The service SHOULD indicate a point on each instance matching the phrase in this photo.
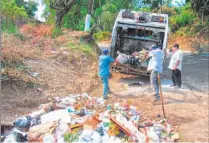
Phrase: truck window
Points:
(131, 32)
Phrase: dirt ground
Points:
(57, 70)
(186, 110)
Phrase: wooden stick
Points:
(81, 62)
(161, 95)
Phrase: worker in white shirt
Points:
(176, 65)
(156, 67)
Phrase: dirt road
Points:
(195, 72)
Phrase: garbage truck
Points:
(133, 35)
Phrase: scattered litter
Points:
(136, 84)
(48, 138)
(34, 74)
(79, 118)
(61, 114)
(16, 136)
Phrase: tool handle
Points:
(161, 95)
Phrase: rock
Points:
(175, 137)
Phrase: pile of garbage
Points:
(134, 59)
(83, 118)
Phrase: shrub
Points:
(8, 26)
(44, 30)
(19, 36)
(145, 9)
(102, 36)
(40, 30)
(56, 32)
(27, 29)
(166, 10)
(187, 17)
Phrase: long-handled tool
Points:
(161, 95)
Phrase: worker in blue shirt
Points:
(104, 71)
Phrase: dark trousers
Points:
(176, 77)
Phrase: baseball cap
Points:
(105, 51)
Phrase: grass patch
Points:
(86, 48)
(56, 32)
(19, 36)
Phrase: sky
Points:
(41, 7)
(180, 1)
(40, 11)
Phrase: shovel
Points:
(161, 95)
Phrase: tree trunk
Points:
(59, 17)
(87, 22)
(58, 20)
(88, 15)
(203, 18)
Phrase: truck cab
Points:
(134, 33)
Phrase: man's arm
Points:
(111, 59)
(149, 55)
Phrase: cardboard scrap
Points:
(91, 123)
(125, 130)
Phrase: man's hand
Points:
(147, 55)
(115, 62)
(175, 67)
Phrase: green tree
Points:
(29, 6)
(10, 13)
(185, 16)
(89, 14)
(202, 7)
(10, 10)
(107, 20)
(75, 19)
(62, 7)
(115, 5)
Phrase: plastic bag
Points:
(89, 135)
(23, 123)
(61, 114)
(122, 58)
(16, 136)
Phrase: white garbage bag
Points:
(56, 115)
(122, 58)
